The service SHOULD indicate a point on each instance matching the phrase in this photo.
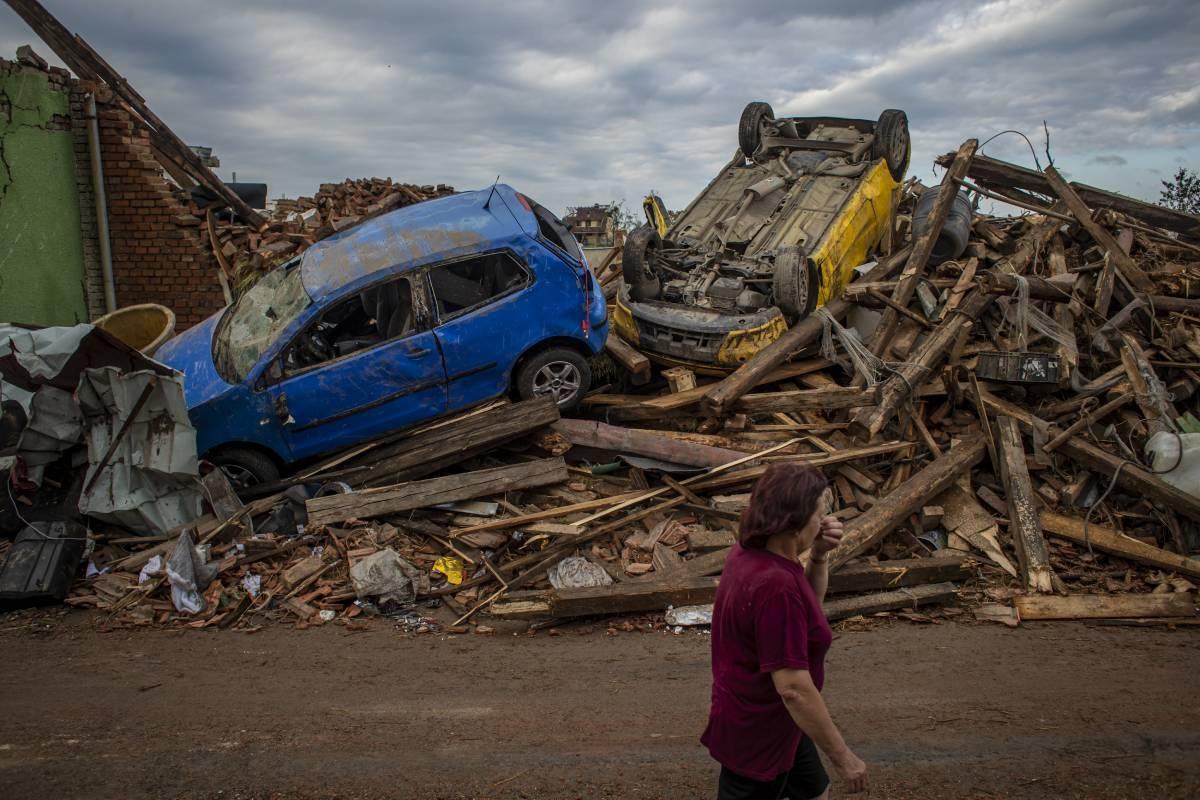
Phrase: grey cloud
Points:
(1110, 160)
(584, 102)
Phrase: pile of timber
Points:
(958, 486)
(244, 252)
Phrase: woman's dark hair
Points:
(784, 499)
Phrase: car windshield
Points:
(255, 321)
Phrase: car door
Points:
(483, 322)
(367, 365)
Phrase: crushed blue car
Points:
(415, 314)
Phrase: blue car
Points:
(418, 313)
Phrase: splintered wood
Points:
(996, 451)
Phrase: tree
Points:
(624, 219)
(1182, 193)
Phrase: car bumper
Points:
(696, 335)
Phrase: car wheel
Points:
(642, 247)
(557, 373)
(795, 283)
(892, 142)
(750, 126)
(246, 467)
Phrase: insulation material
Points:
(150, 482)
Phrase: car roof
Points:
(408, 237)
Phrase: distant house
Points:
(592, 225)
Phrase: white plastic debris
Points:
(687, 616)
(189, 576)
(387, 576)
(576, 572)
(328, 615)
(1177, 458)
(153, 567)
(252, 584)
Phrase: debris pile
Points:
(244, 252)
(1012, 426)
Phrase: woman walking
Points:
(769, 640)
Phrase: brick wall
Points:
(155, 259)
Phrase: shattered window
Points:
(371, 317)
(466, 285)
(554, 231)
(256, 320)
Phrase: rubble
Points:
(965, 472)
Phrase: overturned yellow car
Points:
(774, 236)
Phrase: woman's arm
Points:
(807, 707)
(817, 571)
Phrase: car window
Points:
(554, 231)
(371, 317)
(462, 286)
(255, 321)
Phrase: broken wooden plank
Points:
(706, 541)
(1129, 269)
(1103, 606)
(432, 491)
(1032, 555)
(966, 518)
(1001, 174)
(866, 530)
(636, 364)
(1110, 541)
(590, 433)
(1130, 476)
(915, 598)
(914, 267)
(826, 399)
(720, 397)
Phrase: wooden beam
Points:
(826, 399)
(1032, 555)
(1104, 606)
(914, 598)
(419, 494)
(1125, 264)
(589, 433)
(922, 249)
(720, 398)
(688, 588)
(636, 364)
(1118, 544)
(866, 530)
(995, 173)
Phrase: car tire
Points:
(795, 283)
(559, 372)
(246, 466)
(637, 263)
(750, 126)
(892, 142)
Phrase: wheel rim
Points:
(558, 379)
(239, 476)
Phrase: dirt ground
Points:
(952, 710)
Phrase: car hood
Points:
(191, 353)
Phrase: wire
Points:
(29, 525)
(1026, 138)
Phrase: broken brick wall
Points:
(155, 259)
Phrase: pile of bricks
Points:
(295, 225)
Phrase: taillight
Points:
(525, 202)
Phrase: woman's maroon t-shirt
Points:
(765, 618)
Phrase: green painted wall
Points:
(41, 249)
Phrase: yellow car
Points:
(774, 236)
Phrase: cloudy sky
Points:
(578, 102)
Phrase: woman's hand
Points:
(828, 537)
(851, 771)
